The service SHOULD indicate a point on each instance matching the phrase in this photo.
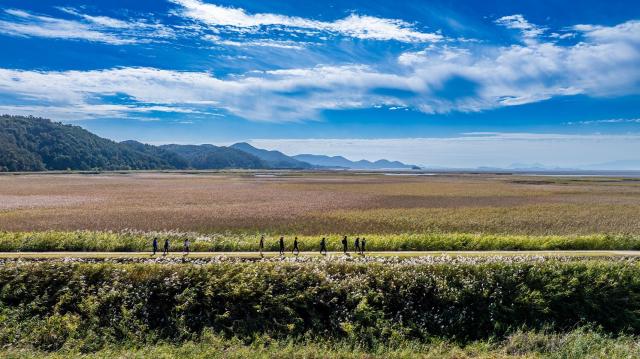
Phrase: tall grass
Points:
(127, 241)
(579, 343)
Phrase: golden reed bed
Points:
(317, 203)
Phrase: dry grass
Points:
(320, 203)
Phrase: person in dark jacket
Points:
(323, 246)
(166, 247)
(344, 244)
(362, 245)
(356, 244)
(187, 246)
(295, 250)
(155, 245)
(281, 246)
(261, 245)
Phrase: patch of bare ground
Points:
(35, 201)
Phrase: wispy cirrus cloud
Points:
(605, 122)
(85, 111)
(101, 29)
(280, 44)
(354, 25)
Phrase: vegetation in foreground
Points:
(88, 307)
(580, 343)
(137, 241)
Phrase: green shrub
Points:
(48, 304)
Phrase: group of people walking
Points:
(186, 249)
(359, 246)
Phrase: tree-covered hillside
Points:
(210, 156)
(38, 144)
(33, 144)
(274, 159)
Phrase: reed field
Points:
(320, 203)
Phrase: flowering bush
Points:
(51, 304)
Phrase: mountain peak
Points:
(275, 159)
(341, 162)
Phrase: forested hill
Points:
(275, 159)
(210, 156)
(37, 144)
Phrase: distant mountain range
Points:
(624, 165)
(274, 159)
(37, 144)
(339, 162)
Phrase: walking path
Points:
(603, 253)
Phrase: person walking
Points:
(155, 245)
(323, 246)
(261, 245)
(356, 244)
(344, 244)
(295, 250)
(362, 244)
(187, 246)
(166, 247)
(281, 246)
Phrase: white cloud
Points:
(83, 111)
(472, 149)
(607, 121)
(25, 24)
(357, 26)
(280, 44)
(520, 74)
(439, 79)
(89, 28)
(98, 20)
(258, 95)
(626, 32)
(529, 31)
(562, 36)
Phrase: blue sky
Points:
(440, 83)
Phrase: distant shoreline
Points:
(390, 172)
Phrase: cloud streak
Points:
(100, 29)
(606, 122)
(354, 25)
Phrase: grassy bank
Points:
(134, 241)
(580, 343)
